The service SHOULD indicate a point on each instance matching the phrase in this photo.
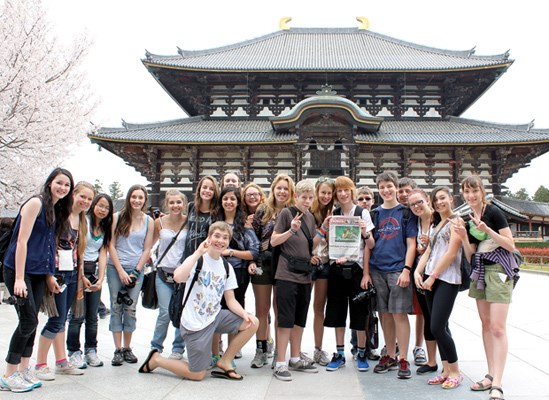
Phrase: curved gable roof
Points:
(326, 49)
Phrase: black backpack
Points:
(177, 303)
(5, 240)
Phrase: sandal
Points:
(480, 386)
(437, 380)
(500, 390)
(452, 383)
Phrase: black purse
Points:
(149, 298)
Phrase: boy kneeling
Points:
(202, 315)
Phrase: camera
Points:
(61, 282)
(92, 279)
(124, 298)
(133, 279)
(365, 295)
(13, 300)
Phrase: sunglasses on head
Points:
(367, 198)
(323, 179)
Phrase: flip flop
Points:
(227, 375)
(145, 368)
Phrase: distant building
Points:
(325, 101)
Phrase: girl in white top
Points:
(441, 265)
(165, 229)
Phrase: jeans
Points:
(22, 340)
(91, 304)
(123, 317)
(164, 292)
(63, 302)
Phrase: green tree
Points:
(542, 194)
(521, 194)
(98, 185)
(115, 190)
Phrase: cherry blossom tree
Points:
(45, 104)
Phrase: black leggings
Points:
(440, 301)
(22, 340)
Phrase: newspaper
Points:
(344, 238)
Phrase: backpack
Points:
(5, 240)
(177, 302)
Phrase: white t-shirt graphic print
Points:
(205, 299)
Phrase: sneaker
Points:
(282, 374)
(404, 369)
(419, 356)
(175, 356)
(362, 363)
(302, 366)
(92, 360)
(128, 355)
(260, 359)
(213, 361)
(338, 361)
(385, 364)
(118, 358)
(305, 357)
(44, 373)
(77, 360)
(321, 357)
(238, 355)
(67, 369)
(270, 347)
(29, 376)
(372, 355)
(15, 383)
(425, 369)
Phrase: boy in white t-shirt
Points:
(202, 315)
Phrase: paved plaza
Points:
(526, 377)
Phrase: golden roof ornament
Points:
(365, 23)
(283, 23)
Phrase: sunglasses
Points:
(417, 203)
(323, 179)
(364, 199)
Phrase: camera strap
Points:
(305, 230)
(171, 243)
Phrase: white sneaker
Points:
(92, 360)
(15, 383)
(77, 361)
(281, 373)
(305, 357)
(321, 357)
(29, 376)
(68, 369)
(44, 373)
(175, 356)
(270, 348)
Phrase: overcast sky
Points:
(121, 30)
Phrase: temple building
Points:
(325, 101)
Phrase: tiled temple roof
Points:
(326, 49)
(197, 130)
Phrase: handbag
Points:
(149, 298)
(298, 265)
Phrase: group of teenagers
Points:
(67, 240)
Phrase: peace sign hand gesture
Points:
(296, 222)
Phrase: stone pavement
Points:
(526, 376)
